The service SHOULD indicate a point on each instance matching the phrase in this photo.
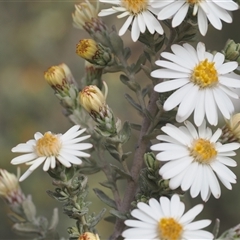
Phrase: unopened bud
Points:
(231, 131)
(89, 236)
(84, 14)
(10, 190)
(59, 77)
(92, 99)
(94, 52)
(232, 51)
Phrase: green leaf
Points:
(27, 229)
(88, 170)
(125, 132)
(97, 218)
(111, 219)
(136, 126)
(104, 198)
(116, 42)
(125, 155)
(126, 53)
(141, 61)
(118, 214)
(54, 220)
(107, 184)
(145, 91)
(133, 85)
(121, 172)
(113, 151)
(133, 103)
(29, 209)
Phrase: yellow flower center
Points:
(203, 151)
(169, 229)
(48, 145)
(87, 49)
(135, 6)
(205, 74)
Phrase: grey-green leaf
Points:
(103, 197)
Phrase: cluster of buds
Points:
(231, 131)
(94, 52)
(94, 102)
(10, 190)
(232, 51)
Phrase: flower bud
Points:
(94, 52)
(231, 131)
(151, 162)
(84, 14)
(9, 188)
(59, 77)
(89, 236)
(232, 51)
(92, 99)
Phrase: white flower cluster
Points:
(143, 14)
(203, 86)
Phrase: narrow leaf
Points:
(133, 103)
(121, 172)
(103, 197)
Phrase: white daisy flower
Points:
(194, 158)
(166, 220)
(214, 11)
(139, 13)
(52, 148)
(202, 80)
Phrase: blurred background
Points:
(35, 35)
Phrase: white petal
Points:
(24, 158)
(125, 26)
(191, 214)
(135, 31)
(198, 224)
(176, 97)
